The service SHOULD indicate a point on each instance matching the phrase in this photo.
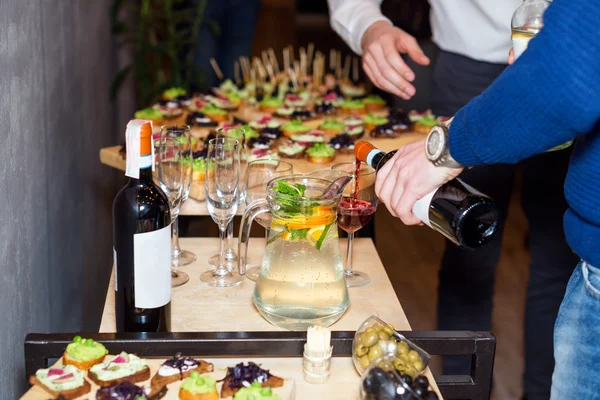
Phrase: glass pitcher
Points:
(301, 281)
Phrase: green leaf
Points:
(118, 81)
(284, 187)
(298, 234)
(323, 236)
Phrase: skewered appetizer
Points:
(250, 133)
(270, 104)
(293, 128)
(198, 387)
(263, 154)
(256, 392)
(342, 143)
(150, 114)
(320, 153)
(214, 113)
(349, 89)
(332, 126)
(124, 367)
(327, 109)
(374, 103)
(67, 382)
(309, 139)
(173, 93)
(263, 123)
(261, 142)
(388, 130)
(296, 100)
(127, 391)
(353, 107)
(240, 375)
(372, 121)
(292, 150)
(197, 104)
(400, 119)
(179, 368)
(200, 120)
(423, 122)
(223, 103)
(84, 353)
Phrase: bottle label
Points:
(152, 268)
(421, 208)
(115, 269)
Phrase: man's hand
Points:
(382, 43)
(511, 56)
(408, 177)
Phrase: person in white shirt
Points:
(473, 37)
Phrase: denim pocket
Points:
(591, 277)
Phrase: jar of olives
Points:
(375, 339)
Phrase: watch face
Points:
(433, 144)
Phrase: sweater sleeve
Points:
(547, 97)
(351, 18)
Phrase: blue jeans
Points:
(237, 23)
(577, 338)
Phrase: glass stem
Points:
(222, 268)
(175, 238)
(348, 269)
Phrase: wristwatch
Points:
(437, 147)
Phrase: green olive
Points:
(377, 327)
(402, 348)
(399, 364)
(392, 346)
(371, 329)
(418, 365)
(389, 329)
(413, 356)
(410, 371)
(358, 339)
(383, 335)
(375, 352)
(370, 338)
(364, 361)
(360, 350)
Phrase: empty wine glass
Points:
(357, 207)
(258, 174)
(222, 201)
(171, 179)
(239, 134)
(182, 135)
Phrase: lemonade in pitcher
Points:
(301, 282)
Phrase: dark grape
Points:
(406, 379)
(419, 389)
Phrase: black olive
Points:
(422, 380)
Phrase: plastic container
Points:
(375, 339)
(381, 381)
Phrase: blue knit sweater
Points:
(548, 97)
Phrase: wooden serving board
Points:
(343, 383)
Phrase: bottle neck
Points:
(145, 168)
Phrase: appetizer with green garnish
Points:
(371, 121)
(374, 103)
(294, 127)
(84, 353)
(320, 153)
(353, 107)
(270, 104)
(332, 126)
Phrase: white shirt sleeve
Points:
(351, 18)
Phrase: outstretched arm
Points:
(363, 27)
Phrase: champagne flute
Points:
(181, 133)
(171, 179)
(258, 174)
(356, 208)
(238, 134)
(222, 201)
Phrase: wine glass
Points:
(222, 201)
(258, 174)
(356, 208)
(171, 179)
(181, 133)
(238, 134)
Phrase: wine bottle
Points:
(456, 210)
(142, 241)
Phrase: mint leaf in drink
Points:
(298, 234)
(284, 187)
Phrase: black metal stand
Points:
(39, 348)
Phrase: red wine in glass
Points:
(353, 214)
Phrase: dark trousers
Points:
(467, 277)
(236, 22)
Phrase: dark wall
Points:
(56, 64)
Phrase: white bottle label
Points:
(152, 268)
(421, 208)
(115, 269)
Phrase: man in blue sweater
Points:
(548, 97)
